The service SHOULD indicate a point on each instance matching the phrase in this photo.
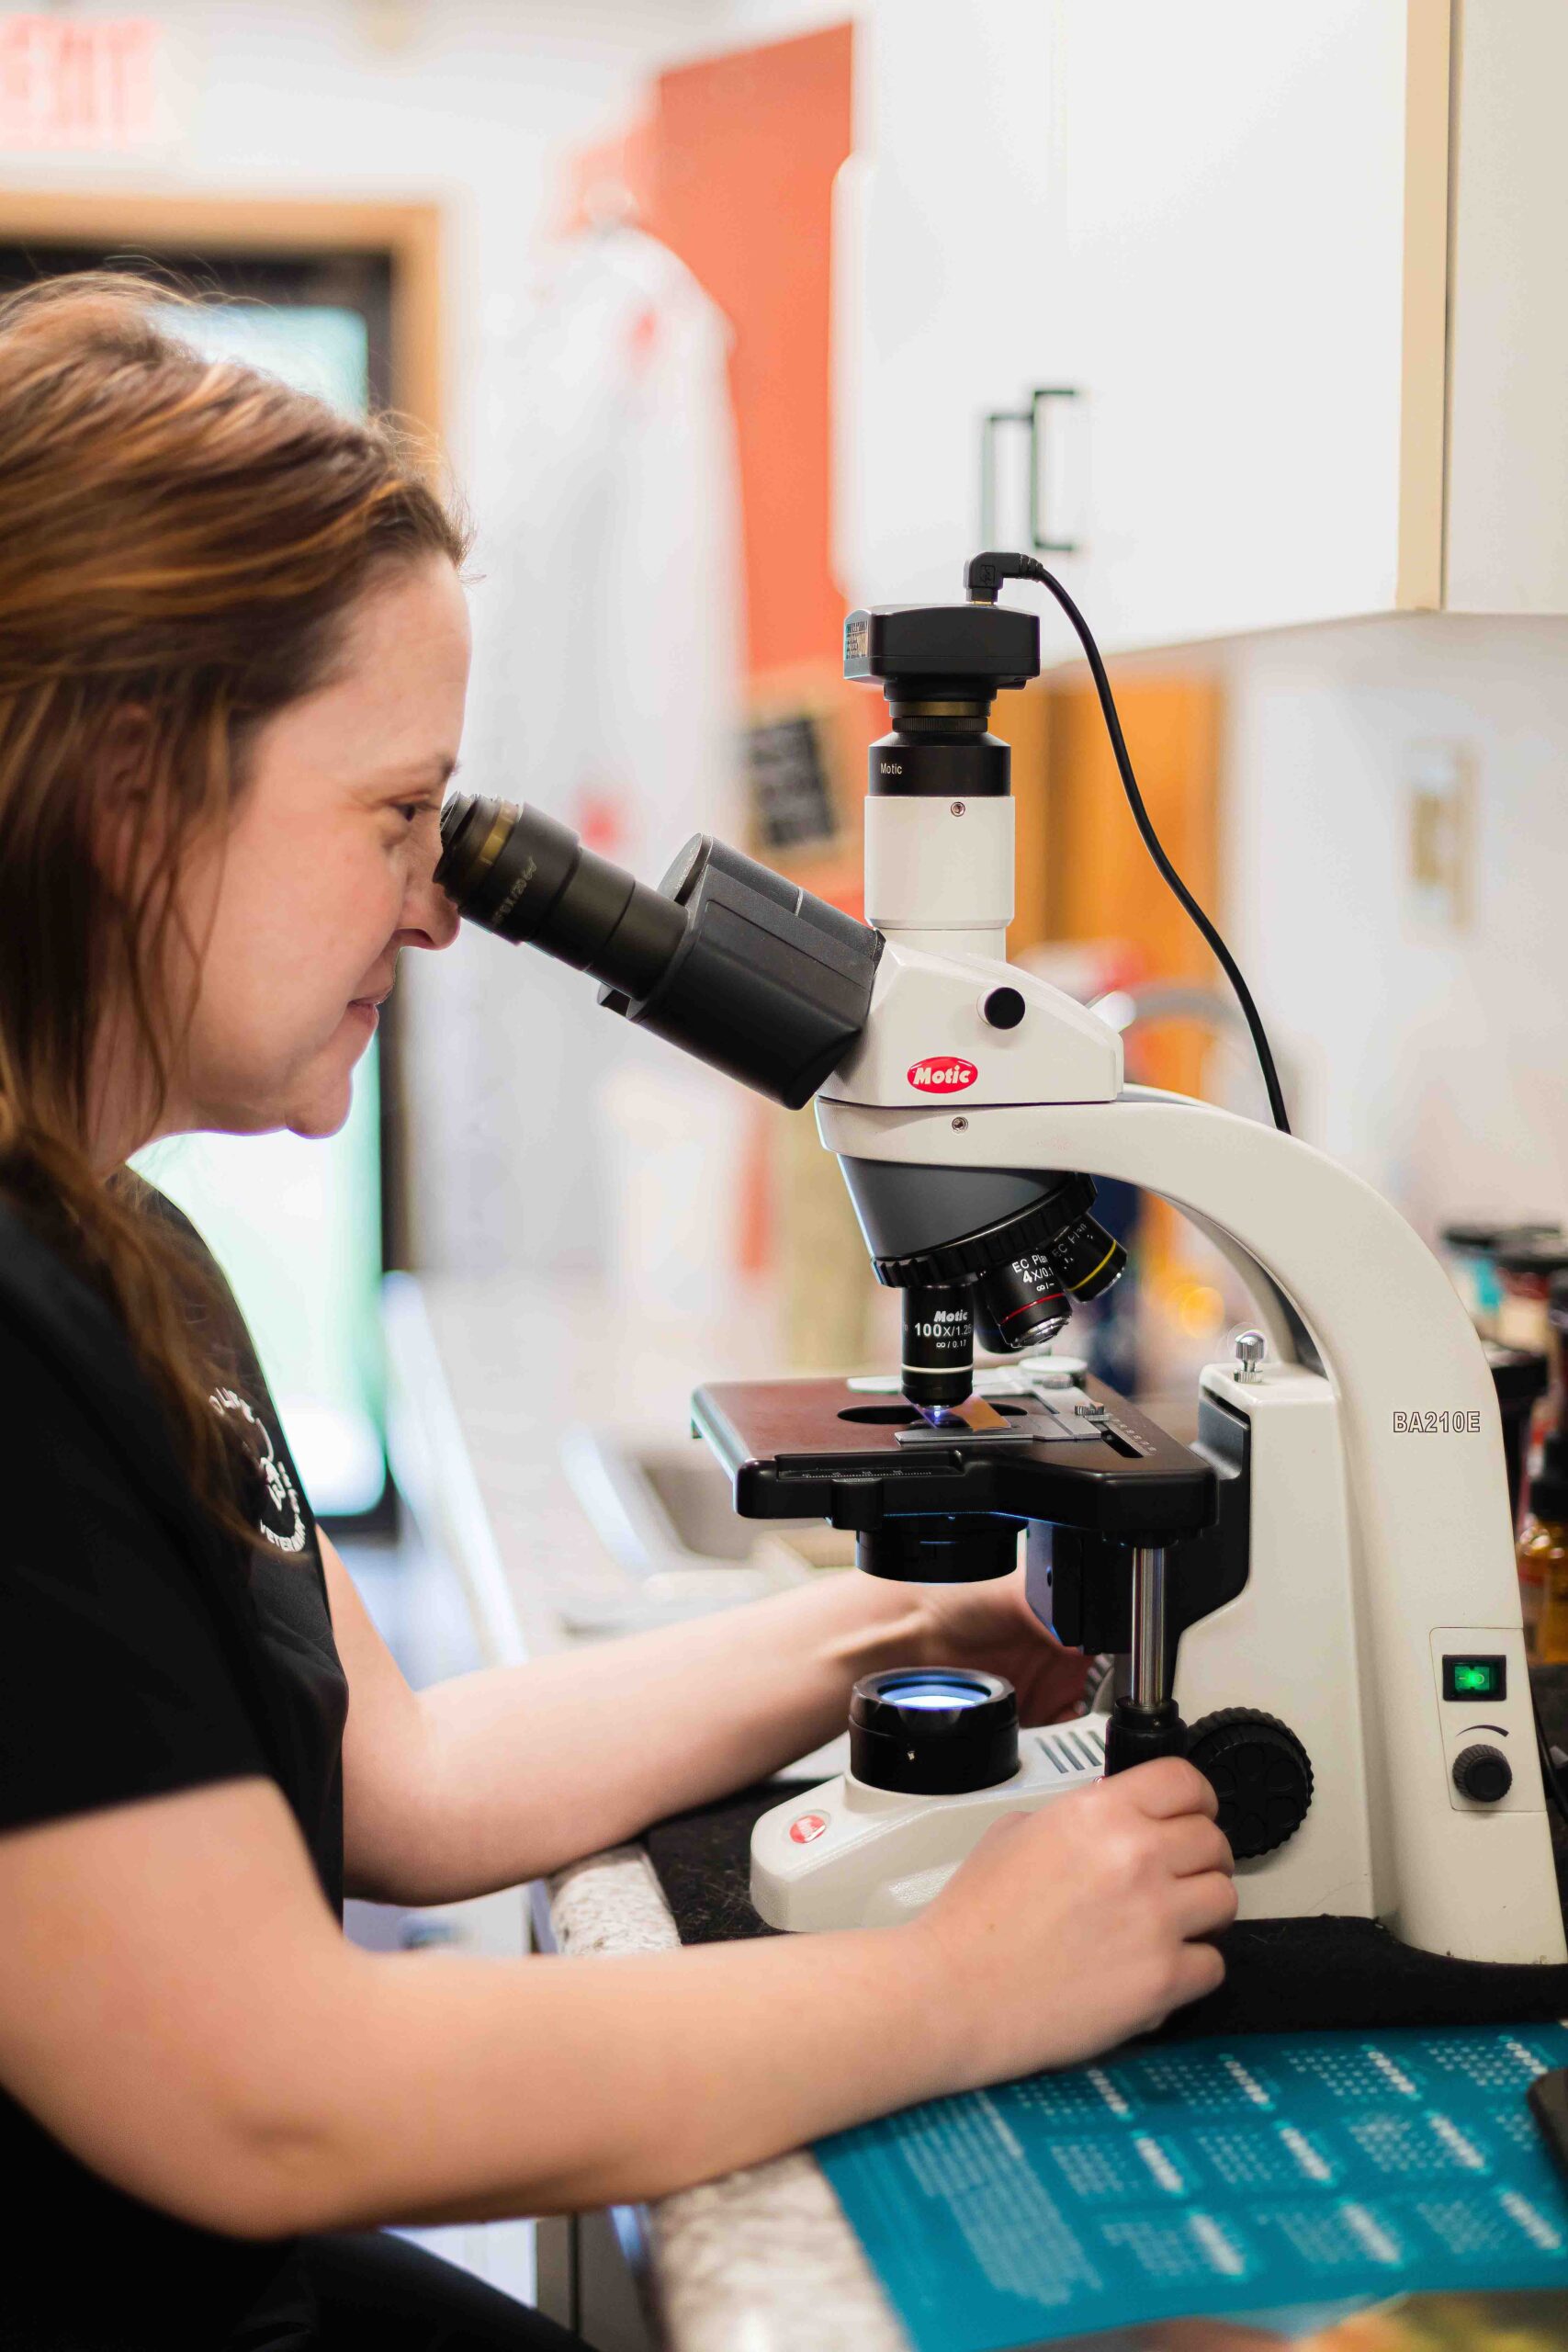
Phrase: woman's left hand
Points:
(991, 1625)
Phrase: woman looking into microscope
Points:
(233, 649)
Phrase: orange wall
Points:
(733, 169)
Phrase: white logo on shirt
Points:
(282, 1497)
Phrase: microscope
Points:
(1316, 1602)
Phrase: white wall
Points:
(1435, 1062)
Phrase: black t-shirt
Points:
(141, 1652)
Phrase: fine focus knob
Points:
(1260, 1773)
(1483, 1774)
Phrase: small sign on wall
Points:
(84, 86)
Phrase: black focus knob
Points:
(1483, 1774)
(1004, 1008)
(1261, 1775)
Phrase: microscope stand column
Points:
(1145, 1724)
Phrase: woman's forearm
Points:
(533, 1766)
(218, 2050)
(472, 2089)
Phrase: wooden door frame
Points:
(410, 235)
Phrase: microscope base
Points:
(847, 1855)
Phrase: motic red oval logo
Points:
(945, 1074)
(808, 1827)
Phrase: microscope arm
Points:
(1270, 1309)
(1422, 1436)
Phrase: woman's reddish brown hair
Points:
(182, 542)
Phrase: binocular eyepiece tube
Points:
(527, 877)
(739, 967)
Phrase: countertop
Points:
(486, 1379)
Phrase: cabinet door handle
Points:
(1036, 532)
(990, 427)
(1039, 529)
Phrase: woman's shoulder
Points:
(47, 1304)
(68, 1370)
(190, 1245)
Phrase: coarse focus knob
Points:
(1260, 1773)
(1483, 1774)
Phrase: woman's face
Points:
(326, 871)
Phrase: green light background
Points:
(296, 1225)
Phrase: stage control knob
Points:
(1483, 1774)
(1261, 1775)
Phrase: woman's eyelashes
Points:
(409, 812)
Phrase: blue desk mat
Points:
(1211, 2177)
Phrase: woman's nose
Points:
(430, 918)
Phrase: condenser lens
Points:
(936, 1690)
(933, 1732)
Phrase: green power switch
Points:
(1476, 1677)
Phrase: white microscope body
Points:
(1381, 1568)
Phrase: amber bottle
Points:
(1543, 1552)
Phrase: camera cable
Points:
(983, 576)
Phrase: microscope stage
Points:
(1079, 1455)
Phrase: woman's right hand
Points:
(1071, 1927)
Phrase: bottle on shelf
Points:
(1470, 1251)
(1519, 1376)
(1527, 1268)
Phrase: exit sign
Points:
(87, 85)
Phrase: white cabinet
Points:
(1233, 198)
(1300, 263)
(943, 304)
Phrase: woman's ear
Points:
(126, 829)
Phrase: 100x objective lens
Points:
(934, 1731)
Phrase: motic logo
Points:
(946, 1074)
(808, 1827)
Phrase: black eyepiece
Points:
(725, 958)
(522, 875)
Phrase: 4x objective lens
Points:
(1028, 1301)
(1020, 1305)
